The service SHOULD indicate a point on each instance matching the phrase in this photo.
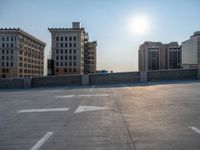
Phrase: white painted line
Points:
(81, 109)
(90, 95)
(195, 129)
(42, 110)
(42, 141)
(65, 96)
(126, 86)
(91, 88)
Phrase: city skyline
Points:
(108, 23)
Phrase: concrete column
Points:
(198, 73)
(143, 76)
(85, 79)
(27, 83)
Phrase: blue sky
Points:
(107, 22)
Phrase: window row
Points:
(8, 38)
(70, 38)
(65, 44)
(7, 64)
(65, 57)
(71, 70)
(7, 57)
(65, 64)
(30, 71)
(65, 51)
(7, 45)
(7, 51)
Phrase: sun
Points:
(139, 25)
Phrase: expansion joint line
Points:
(125, 123)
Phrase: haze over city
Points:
(119, 26)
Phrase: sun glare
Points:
(139, 25)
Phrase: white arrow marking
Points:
(88, 108)
(41, 141)
(42, 110)
(65, 96)
(90, 95)
(195, 129)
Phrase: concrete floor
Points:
(120, 117)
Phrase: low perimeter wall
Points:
(114, 78)
(95, 79)
(56, 81)
(183, 74)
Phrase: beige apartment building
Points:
(21, 54)
(158, 56)
(191, 51)
(68, 50)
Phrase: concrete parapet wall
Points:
(182, 74)
(94, 79)
(57, 81)
(114, 78)
(11, 83)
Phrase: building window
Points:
(65, 57)
(70, 69)
(2, 64)
(57, 51)
(57, 44)
(2, 57)
(61, 44)
(61, 63)
(61, 38)
(3, 51)
(11, 45)
(57, 38)
(66, 51)
(11, 64)
(70, 44)
(70, 63)
(66, 38)
(61, 57)
(70, 38)
(57, 70)
(65, 63)
(74, 38)
(3, 39)
(57, 64)
(65, 44)
(74, 44)
(7, 38)
(74, 51)
(74, 57)
(11, 38)
(74, 63)
(74, 69)
(57, 57)
(70, 51)
(61, 51)
(3, 45)
(70, 57)
(65, 69)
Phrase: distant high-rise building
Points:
(90, 57)
(21, 54)
(158, 56)
(191, 51)
(70, 47)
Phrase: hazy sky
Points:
(107, 21)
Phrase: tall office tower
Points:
(21, 54)
(68, 49)
(158, 56)
(191, 51)
(90, 57)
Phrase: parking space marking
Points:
(90, 95)
(126, 86)
(91, 88)
(42, 110)
(42, 141)
(65, 96)
(81, 109)
(195, 129)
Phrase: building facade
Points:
(158, 56)
(21, 54)
(191, 51)
(68, 49)
(90, 57)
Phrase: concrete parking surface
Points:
(114, 117)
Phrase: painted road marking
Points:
(42, 141)
(90, 95)
(81, 109)
(126, 86)
(195, 129)
(91, 88)
(42, 110)
(65, 96)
